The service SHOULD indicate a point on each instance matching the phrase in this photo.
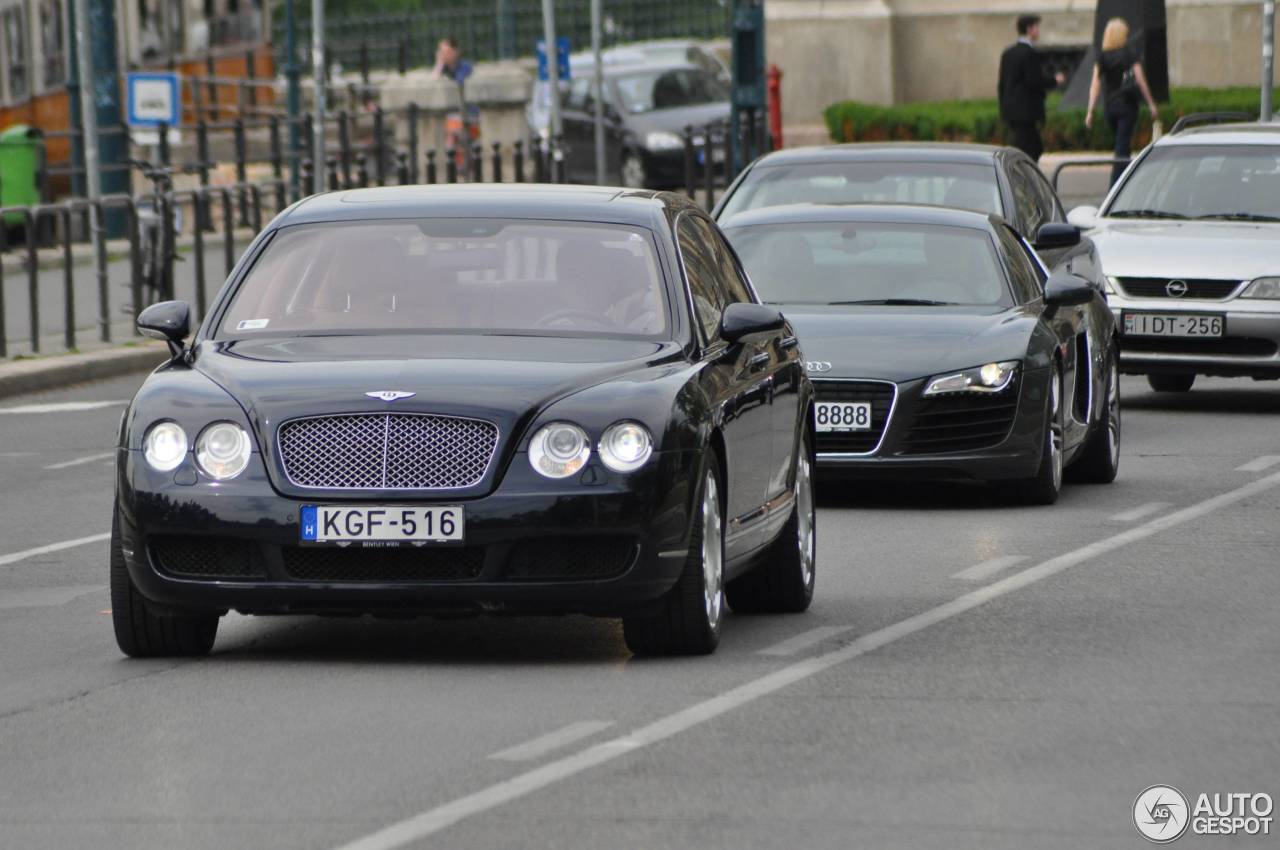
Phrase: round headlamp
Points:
(222, 450)
(164, 446)
(625, 446)
(559, 449)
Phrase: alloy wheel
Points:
(805, 537)
(712, 551)
(1055, 428)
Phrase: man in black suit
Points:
(1023, 86)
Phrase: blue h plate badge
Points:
(309, 523)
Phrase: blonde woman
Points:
(1118, 75)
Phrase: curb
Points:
(49, 373)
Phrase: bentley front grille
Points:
(387, 451)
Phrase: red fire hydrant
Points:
(774, 93)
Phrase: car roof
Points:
(881, 213)
(1255, 133)
(885, 152)
(550, 202)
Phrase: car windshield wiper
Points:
(1143, 214)
(1240, 216)
(898, 302)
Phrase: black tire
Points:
(1175, 382)
(1045, 486)
(783, 582)
(140, 631)
(692, 611)
(1100, 461)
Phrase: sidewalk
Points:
(60, 370)
(14, 261)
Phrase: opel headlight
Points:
(222, 450)
(625, 446)
(991, 378)
(559, 449)
(1263, 287)
(165, 446)
(1109, 285)
(663, 140)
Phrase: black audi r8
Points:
(940, 346)
(472, 399)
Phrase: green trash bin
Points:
(19, 157)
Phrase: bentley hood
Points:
(1182, 249)
(905, 343)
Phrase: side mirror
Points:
(1055, 234)
(169, 321)
(742, 320)
(1085, 218)
(1067, 290)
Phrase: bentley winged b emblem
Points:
(390, 395)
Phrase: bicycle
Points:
(159, 222)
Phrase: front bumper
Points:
(1250, 345)
(611, 546)
(996, 439)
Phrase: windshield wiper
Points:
(1143, 214)
(898, 302)
(1241, 216)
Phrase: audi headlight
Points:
(991, 378)
(222, 450)
(1109, 285)
(663, 140)
(625, 446)
(559, 449)
(165, 446)
(1263, 287)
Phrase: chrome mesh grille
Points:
(392, 451)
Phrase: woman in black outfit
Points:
(1119, 75)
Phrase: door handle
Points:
(788, 342)
(759, 361)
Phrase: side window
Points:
(1023, 274)
(1031, 213)
(731, 274)
(698, 254)
(1048, 198)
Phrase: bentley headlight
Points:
(663, 140)
(165, 446)
(559, 449)
(1263, 287)
(625, 446)
(990, 378)
(222, 450)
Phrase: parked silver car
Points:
(1189, 238)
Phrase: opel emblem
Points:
(817, 366)
(390, 395)
(1176, 288)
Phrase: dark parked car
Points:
(940, 346)
(470, 399)
(647, 108)
(997, 180)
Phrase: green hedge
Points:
(979, 120)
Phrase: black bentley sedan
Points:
(940, 346)
(999, 181)
(478, 399)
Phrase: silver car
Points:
(1189, 239)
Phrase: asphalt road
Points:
(970, 675)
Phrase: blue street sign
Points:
(153, 98)
(562, 58)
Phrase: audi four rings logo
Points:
(1176, 288)
(817, 366)
(390, 395)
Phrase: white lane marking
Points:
(804, 640)
(1259, 464)
(530, 750)
(66, 464)
(443, 816)
(52, 547)
(987, 569)
(46, 597)
(61, 407)
(1140, 511)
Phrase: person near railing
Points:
(1022, 86)
(460, 130)
(1119, 77)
